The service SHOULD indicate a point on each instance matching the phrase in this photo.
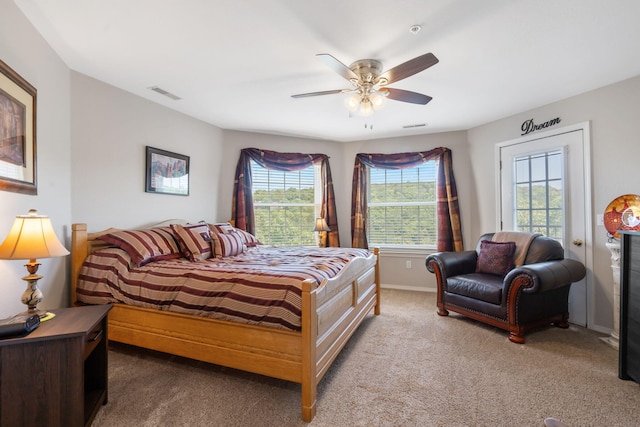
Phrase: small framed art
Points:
(17, 133)
(167, 172)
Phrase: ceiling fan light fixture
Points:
(378, 99)
(366, 109)
(365, 104)
(353, 102)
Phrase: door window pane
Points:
(539, 194)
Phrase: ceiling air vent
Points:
(414, 126)
(165, 93)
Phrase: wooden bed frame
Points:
(330, 315)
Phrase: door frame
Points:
(588, 217)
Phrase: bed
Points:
(330, 310)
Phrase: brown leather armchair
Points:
(531, 295)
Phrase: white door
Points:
(543, 189)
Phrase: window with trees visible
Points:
(402, 206)
(285, 205)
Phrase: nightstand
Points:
(56, 375)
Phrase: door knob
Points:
(578, 242)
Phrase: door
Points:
(544, 188)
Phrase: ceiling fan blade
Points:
(406, 96)
(337, 66)
(324, 92)
(409, 68)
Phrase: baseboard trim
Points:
(407, 288)
(598, 328)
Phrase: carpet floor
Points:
(406, 367)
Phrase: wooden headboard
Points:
(82, 245)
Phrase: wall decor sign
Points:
(17, 133)
(529, 126)
(167, 172)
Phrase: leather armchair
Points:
(529, 296)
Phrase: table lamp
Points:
(321, 228)
(31, 237)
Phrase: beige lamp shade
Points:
(31, 237)
(321, 225)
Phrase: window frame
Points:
(404, 248)
(317, 203)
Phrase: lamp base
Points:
(32, 296)
(322, 239)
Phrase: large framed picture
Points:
(167, 172)
(17, 133)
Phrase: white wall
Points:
(22, 48)
(613, 112)
(110, 130)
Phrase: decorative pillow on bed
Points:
(144, 246)
(227, 244)
(495, 257)
(225, 228)
(249, 239)
(194, 241)
(222, 227)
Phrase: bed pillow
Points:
(249, 239)
(225, 228)
(227, 244)
(194, 241)
(495, 257)
(144, 246)
(222, 227)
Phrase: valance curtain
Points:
(447, 211)
(242, 210)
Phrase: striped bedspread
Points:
(260, 286)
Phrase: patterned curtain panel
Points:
(242, 205)
(448, 213)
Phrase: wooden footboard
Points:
(330, 314)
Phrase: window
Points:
(539, 197)
(402, 206)
(285, 205)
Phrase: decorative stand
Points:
(614, 248)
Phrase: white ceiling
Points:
(236, 63)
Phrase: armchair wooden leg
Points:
(564, 323)
(516, 337)
(442, 312)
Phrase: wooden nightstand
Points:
(57, 375)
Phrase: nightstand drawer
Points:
(93, 338)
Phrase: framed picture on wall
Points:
(167, 172)
(17, 133)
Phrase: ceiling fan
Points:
(370, 84)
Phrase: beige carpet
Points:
(406, 367)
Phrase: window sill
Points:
(404, 250)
